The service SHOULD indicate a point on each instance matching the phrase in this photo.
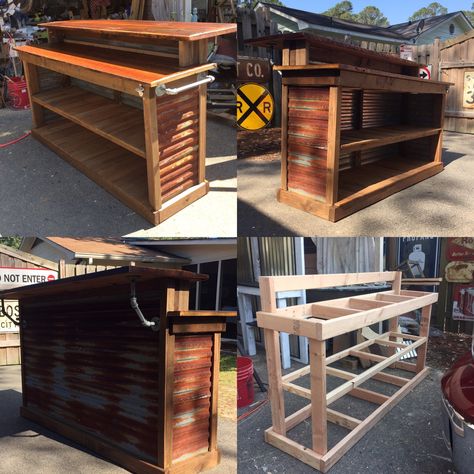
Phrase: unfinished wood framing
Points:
(106, 119)
(357, 125)
(322, 321)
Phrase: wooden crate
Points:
(105, 118)
(144, 397)
(320, 322)
(354, 130)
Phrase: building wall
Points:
(442, 31)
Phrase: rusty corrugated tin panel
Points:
(96, 369)
(192, 393)
(308, 110)
(178, 129)
(277, 256)
(245, 275)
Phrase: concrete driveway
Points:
(26, 447)
(407, 440)
(41, 194)
(441, 205)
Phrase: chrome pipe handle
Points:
(162, 89)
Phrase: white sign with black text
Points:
(13, 277)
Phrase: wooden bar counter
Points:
(115, 361)
(357, 125)
(126, 106)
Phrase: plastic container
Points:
(245, 393)
(18, 93)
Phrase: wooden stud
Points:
(216, 350)
(284, 137)
(317, 356)
(272, 349)
(424, 332)
(150, 119)
(334, 124)
(202, 132)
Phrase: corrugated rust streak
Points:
(178, 129)
(307, 140)
(113, 393)
(192, 392)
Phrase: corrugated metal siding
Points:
(94, 368)
(245, 275)
(277, 256)
(308, 109)
(178, 131)
(192, 393)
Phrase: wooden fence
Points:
(453, 61)
(10, 341)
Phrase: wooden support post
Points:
(152, 149)
(393, 324)
(424, 332)
(166, 374)
(284, 137)
(317, 360)
(272, 349)
(334, 135)
(202, 132)
(33, 87)
(439, 104)
(216, 348)
(192, 53)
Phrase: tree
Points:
(372, 16)
(343, 10)
(14, 242)
(433, 9)
(470, 14)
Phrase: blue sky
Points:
(395, 11)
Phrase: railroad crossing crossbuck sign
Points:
(255, 106)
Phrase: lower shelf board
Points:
(117, 170)
(360, 187)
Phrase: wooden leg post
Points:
(317, 360)
(275, 385)
(424, 332)
(33, 87)
(152, 148)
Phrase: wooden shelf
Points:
(117, 170)
(119, 123)
(66, 58)
(365, 138)
(354, 182)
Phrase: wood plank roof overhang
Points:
(95, 281)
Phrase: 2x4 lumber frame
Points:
(340, 318)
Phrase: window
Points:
(452, 28)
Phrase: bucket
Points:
(17, 93)
(244, 381)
